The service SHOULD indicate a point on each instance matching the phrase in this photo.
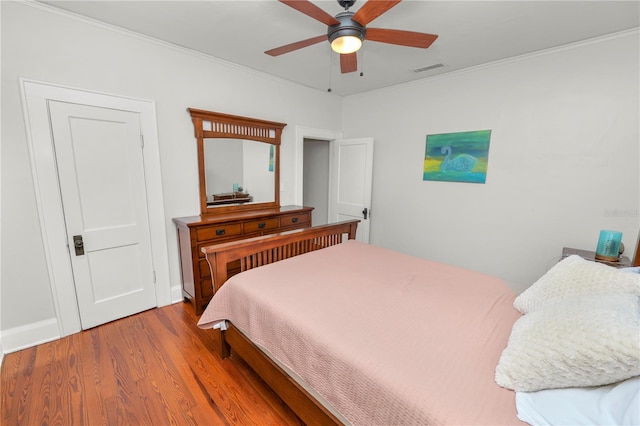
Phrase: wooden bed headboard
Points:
(258, 251)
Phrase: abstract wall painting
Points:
(272, 156)
(457, 157)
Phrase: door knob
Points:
(365, 212)
(78, 244)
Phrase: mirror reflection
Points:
(238, 172)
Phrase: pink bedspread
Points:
(384, 338)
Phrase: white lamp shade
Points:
(346, 44)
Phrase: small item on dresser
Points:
(608, 245)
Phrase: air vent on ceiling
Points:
(429, 68)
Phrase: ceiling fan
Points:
(347, 30)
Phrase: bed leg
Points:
(225, 349)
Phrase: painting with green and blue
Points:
(457, 157)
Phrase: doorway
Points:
(37, 97)
(316, 166)
(350, 177)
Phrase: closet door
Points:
(102, 184)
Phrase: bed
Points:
(349, 333)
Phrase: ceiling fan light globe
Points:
(346, 44)
(346, 36)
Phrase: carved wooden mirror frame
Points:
(228, 126)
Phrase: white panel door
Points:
(351, 177)
(101, 173)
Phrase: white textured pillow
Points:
(574, 277)
(586, 341)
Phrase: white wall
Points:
(563, 159)
(42, 44)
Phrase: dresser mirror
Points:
(238, 171)
(238, 162)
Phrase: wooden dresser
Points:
(195, 232)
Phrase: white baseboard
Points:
(176, 294)
(26, 336)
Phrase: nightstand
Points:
(623, 261)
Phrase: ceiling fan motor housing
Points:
(346, 3)
(346, 27)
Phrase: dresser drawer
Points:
(213, 232)
(298, 220)
(261, 225)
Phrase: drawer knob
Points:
(219, 231)
(294, 220)
(261, 225)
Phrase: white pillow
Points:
(586, 341)
(617, 404)
(573, 277)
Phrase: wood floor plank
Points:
(16, 406)
(58, 391)
(235, 384)
(210, 375)
(155, 368)
(74, 382)
(265, 393)
(164, 374)
(90, 379)
(42, 383)
(210, 339)
(126, 369)
(235, 395)
(9, 384)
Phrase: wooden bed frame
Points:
(258, 251)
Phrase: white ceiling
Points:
(470, 33)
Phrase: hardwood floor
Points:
(154, 368)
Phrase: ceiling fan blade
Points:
(400, 37)
(295, 46)
(348, 63)
(311, 10)
(372, 9)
